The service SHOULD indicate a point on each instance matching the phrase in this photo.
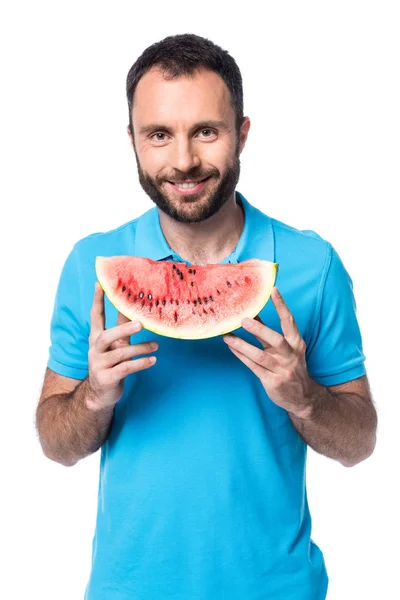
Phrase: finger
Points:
(266, 335)
(112, 358)
(261, 373)
(131, 366)
(122, 341)
(264, 344)
(256, 355)
(97, 322)
(288, 324)
(108, 336)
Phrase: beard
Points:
(193, 208)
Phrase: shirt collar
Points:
(256, 240)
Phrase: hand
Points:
(109, 355)
(281, 365)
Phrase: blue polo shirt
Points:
(202, 490)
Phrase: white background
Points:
(321, 87)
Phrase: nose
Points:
(185, 156)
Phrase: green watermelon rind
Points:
(223, 327)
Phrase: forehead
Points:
(201, 95)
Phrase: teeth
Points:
(186, 186)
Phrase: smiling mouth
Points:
(189, 187)
(196, 181)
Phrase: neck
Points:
(208, 242)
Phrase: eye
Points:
(210, 130)
(157, 139)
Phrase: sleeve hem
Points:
(343, 377)
(67, 371)
(321, 287)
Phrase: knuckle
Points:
(118, 354)
(302, 346)
(290, 374)
(91, 355)
(277, 380)
(262, 358)
(125, 367)
(281, 343)
(101, 339)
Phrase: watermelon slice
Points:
(186, 302)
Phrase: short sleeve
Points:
(69, 335)
(334, 354)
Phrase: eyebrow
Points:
(201, 125)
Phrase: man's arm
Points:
(340, 422)
(73, 419)
(68, 428)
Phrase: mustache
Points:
(183, 178)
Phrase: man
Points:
(202, 476)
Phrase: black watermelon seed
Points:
(149, 296)
(174, 266)
(123, 288)
(204, 311)
(218, 292)
(199, 300)
(228, 283)
(188, 301)
(171, 301)
(164, 302)
(141, 295)
(193, 311)
(191, 283)
(177, 302)
(151, 305)
(195, 302)
(181, 275)
(175, 316)
(129, 294)
(212, 310)
(157, 302)
(194, 271)
(190, 271)
(205, 299)
(211, 298)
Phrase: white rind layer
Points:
(269, 273)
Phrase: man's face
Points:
(177, 150)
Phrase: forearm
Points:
(69, 429)
(338, 425)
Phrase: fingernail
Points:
(136, 325)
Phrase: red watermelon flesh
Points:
(187, 302)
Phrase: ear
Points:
(244, 132)
(130, 136)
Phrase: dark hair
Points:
(183, 55)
